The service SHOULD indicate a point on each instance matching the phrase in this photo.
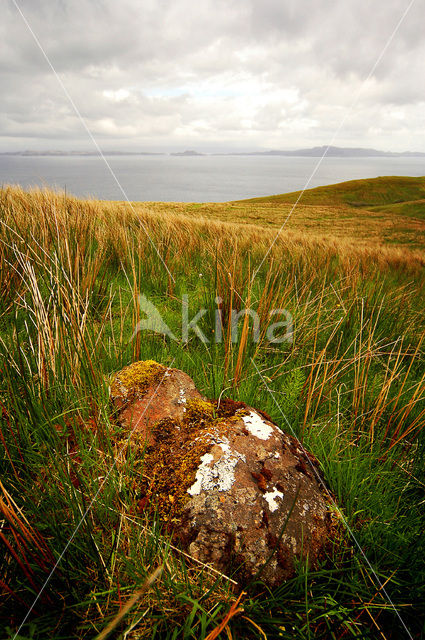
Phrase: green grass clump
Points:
(350, 384)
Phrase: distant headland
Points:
(313, 152)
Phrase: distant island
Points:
(313, 152)
(334, 152)
(187, 153)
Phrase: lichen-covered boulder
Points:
(227, 482)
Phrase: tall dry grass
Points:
(351, 383)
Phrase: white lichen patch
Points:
(220, 475)
(270, 498)
(306, 507)
(195, 489)
(182, 397)
(257, 426)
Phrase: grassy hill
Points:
(388, 210)
(350, 382)
(359, 193)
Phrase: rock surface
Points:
(145, 392)
(235, 490)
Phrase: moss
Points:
(137, 378)
(169, 466)
(227, 408)
(199, 410)
(213, 411)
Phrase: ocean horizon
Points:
(206, 178)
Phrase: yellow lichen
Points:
(136, 378)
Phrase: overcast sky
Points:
(212, 74)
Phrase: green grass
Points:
(415, 209)
(351, 385)
(367, 192)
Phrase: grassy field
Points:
(388, 210)
(349, 267)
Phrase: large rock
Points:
(227, 482)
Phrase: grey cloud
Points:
(209, 70)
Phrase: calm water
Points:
(194, 179)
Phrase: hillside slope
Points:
(358, 193)
(385, 210)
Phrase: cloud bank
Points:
(212, 75)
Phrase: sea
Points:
(203, 178)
